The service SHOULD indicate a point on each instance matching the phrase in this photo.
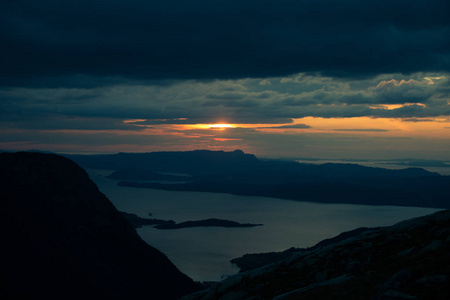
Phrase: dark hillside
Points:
(63, 239)
(409, 260)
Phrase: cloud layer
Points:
(53, 42)
(243, 101)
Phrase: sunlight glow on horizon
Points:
(221, 126)
(427, 137)
(217, 126)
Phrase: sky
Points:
(324, 78)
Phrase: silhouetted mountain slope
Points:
(63, 239)
(409, 260)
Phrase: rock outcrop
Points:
(63, 239)
(409, 260)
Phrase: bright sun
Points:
(220, 126)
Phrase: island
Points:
(205, 223)
(138, 222)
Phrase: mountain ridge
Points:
(196, 162)
(199, 161)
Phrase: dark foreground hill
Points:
(409, 260)
(62, 239)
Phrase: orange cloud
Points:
(226, 139)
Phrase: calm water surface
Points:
(204, 253)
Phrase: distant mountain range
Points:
(244, 174)
(63, 239)
(188, 162)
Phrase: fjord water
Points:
(203, 253)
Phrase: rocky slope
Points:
(409, 260)
(63, 239)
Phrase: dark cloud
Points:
(226, 96)
(142, 40)
(415, 120)
(362, 130)
(73, 140)
(69, 123)
(213, 120)
(293, 126)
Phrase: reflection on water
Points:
(204, 253)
